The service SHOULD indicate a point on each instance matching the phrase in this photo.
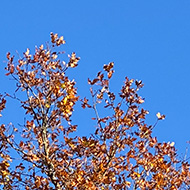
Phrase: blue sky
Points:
(147, 40)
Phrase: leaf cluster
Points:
(122, 153)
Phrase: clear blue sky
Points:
(147, 40)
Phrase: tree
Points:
(44, 153)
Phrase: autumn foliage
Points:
(44, 153)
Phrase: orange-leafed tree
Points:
(44, 153)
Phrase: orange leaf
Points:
(159, 116)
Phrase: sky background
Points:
(147, 40)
